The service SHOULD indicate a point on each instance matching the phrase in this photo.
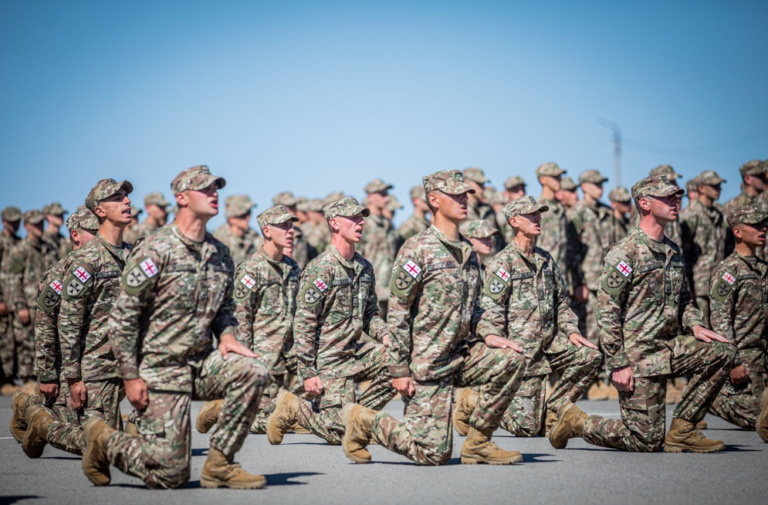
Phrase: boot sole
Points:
(215, 484)
(476, 460)
(345, 413)
(678, 448)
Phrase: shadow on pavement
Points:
(284, 479)
(7, 500)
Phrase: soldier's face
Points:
(665, 208)
(711, 191)
(115, 208)
(527, 224)
(452, 207)
(241, 222)
(623, 207)
(158, 213)
(595, 191)
(54, 219)
(34, 230)
(550, 181)
(515, 192)
(12, 226)
(482, 246)
(379, 199)
(756, 181)
(281, 234)
(753, 235)
(203, 202)
(349, 228)
(568, 198)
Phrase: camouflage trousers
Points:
(702, 302)
(739, 404)
(425, 435)
(322, 417)
(642, 424)
(17, 346)
(102, 400)
(161, 454)
(578, 369)
(587, 314)
(59, 406)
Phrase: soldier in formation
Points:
(237, 233)
(157, 216)
(416, 222)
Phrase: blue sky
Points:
(317, 96)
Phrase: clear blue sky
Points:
(316, 96)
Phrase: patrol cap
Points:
(135, 211)
(592, 176)
(665, 170)
(346, 207)
(709, 178)
(54, 209)
(620, 194)
(749, 214)
(753, 167)
(104, 189)
(655, 186)
(417, 193)
(195, 179)
(332, 197)
(377, 185)
(11, 214)
(33, 216)
(475, 174)
(238, 205)
(155, 199)
(83, 219)
(285, 198)
(277, 214)
(513, 182)
(450, 182)
(567, 184)
(477, 228)
(394, 204)
(550, 169)
(523, 205)
(314, 205)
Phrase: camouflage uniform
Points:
(302, 251)
(554, 223)
(336, 304)
(61, 243)
(525, 300)
(7, 339)
(478, 229)
(482, 210)
(175, 295)
(318, 235)
(435, 287)
(703, 240)
(414, 224)
(739, 307)
(379, 245)
(620, 227)
(754, 167)
(240, 248)
(643, 309)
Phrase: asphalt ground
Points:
(304, 469)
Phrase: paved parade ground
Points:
(306, 470)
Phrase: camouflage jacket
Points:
(378, 246)
(703, 239)
(23, 267)
(91, 285)
(671, 230)
(590, 235)
(47, 347)
(7, 242)
(410, 227)
(139, 232)
(175, 295)
(739, 307)
(742, 200)
(525, 300)
(481, 210)
(265, 298)
(643, 304)
(240, 248)
(762, 205)
(62, 244)
(318, 236)
(336, 304)
(434, 305)
(553, 238)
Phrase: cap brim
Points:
(672, 190)
(460, 190)
(127, 186)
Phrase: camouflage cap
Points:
(54, 209)
(655, 186)
(523, 205)
(417, 193)
(477, 228)
(104, 189)
(394, 204)
(550, 169)
(377, 185)
(692, 185)
(285, 198)
(11, 214)
(135, 211)
(450, 182)
(747, 214)
(83, 219)
(332, 197)
(620, 194)
(314, 205)
(155, 199)
(238, 205)
(33, 216)
(592, 176)
(195, 179)
(753, 167)
(475, 174)
(277, 214)
(568, 184)
(346, 207)
(513, 182)
(709, 178)
(665, 170)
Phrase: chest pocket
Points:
(522, 294)
(183, 279)
(342, 306)
(270, 295)
(675, 278)
(650, 276)
(451, 283)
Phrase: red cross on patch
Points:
(730, 279)
(56, 286)
(321, 285)
(248, 281)
(149, 267)
(624, 268)
(82, 274)
(503, 274)
(412, 268)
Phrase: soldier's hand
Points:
(739, 374)
(404, 386)
(623, 379)
(580, 341)
(580, 294)
(77, 393)
(3, 309)
(314, 386)
(228, 343)
(24, 316)
(49, 389)
(707, 336)
(498, 342)
(385, 340)
(136, 391)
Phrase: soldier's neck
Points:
(653, 228)
(271, 250)
(619, 215)
(447, 227)
(8, 233)
(706, 201)
(236, 231)
(53, 229)
(190, 225)
(744, 250)
(547, 193)
(375, 211)
(589, 200)
(346, 249)
(155, 222)
(524, 243)
(750, 191)
(419, 212)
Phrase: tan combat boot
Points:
(683, 436)
(478, 448)
(549, 422)
(19, 414)
(30, 387)
(702, 425)
(36, 437)
(357, 422)
(298, 429)
(95, 462)
(8, 389)
(283, 418)
(570, 424)
(130, 429)
(465, 405)
(597, 392)
(762, 420)
(209, 416)
(220, 471)
(613, 393)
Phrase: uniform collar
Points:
(344, 261)
(465, 249)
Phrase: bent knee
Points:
(250, 371)
(512, 360)
(167, 479)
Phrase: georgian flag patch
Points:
(412, 269)
(56, 286)
(623, 268)
(248, 281)
(730, 279)
(149, 268)
(503, 274)
(321, 285)
(82, 274)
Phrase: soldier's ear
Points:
(737, 232)
(181, 199)
(267, 232)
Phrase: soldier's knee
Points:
(512, 360)
(167, 478)
(251, 372)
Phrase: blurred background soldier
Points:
(237, 233)
(621, 203)
(54, 214)
(316, 228)
(302, 252)
(480, 234)
(553, 237)
(129, 235)
(379, 242)
(157, 216)
(8, 239)
(568, 194)
(416, 222)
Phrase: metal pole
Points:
(616, 147)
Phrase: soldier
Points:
(393, 205)
(478, 206)
(175, 295)
(435, 286)
(302, 252)
(157, 216)
(54, 215)
(568, 194)
(237, 233)
(336, 304)
(266, 285)
(739, 310)
(525, 300)
(672, 230)
(8, 239)
(480, 235)
(498, 201)
(692, 191)
(649, 331)
(753, 178)
(703, 237)
(553, 238)
(316, 228)
(514, 188)
(379, 243)
(621, 204)
(416, 222)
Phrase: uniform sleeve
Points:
(722, 304)
(404, 287)
(247, 301)
(224, 322)
(575, 255)
(612, 296)
(14, 279)
(373, 324)
(493, 301)
(310, 304)
(77, 288)
(567, 322)
(46, 334)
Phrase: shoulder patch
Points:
(149, 268)
(623, 268)
(82, 274)
(722, 287)
(136, 279)
(412, 269)
(730, 279)
(50, 297)
(503, 275)
(244, 286)
(320, 284)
